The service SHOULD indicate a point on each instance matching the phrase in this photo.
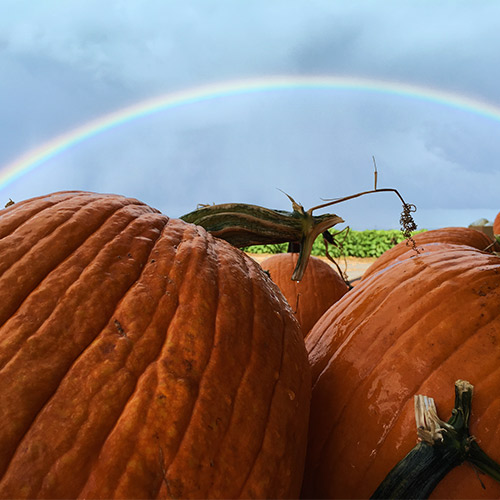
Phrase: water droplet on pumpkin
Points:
(291, 395)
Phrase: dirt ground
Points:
(354, 267)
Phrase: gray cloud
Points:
(63, 64)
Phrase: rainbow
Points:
(41, 154)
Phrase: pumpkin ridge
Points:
(271, 399)
(150, 371)
(64, 288)
(106, 254)
(282, 393)
(120, 468)
(44, 233)
(9, 221)
(103, 386)
(199, 379)
(237, 389)
(223, 438)
(258, 457)
(7, 226)
(44, 268)
(67, 287)
(57, 216)
(239, 399)
(201, 236)
(78, 433)
(257, 453)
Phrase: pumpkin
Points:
(454, 235)
(496, 225)
(413, 328)
(142, 358)
(320, 287)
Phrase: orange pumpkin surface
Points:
(142, 358)
(453, 235)
(496, 225)
(413, 328)
(320, 287)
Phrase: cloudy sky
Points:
(65, 63)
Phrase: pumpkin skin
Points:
(320, 287)
(142, 358)
(496, 225)
(453, 235)
(413, 328)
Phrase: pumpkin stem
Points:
(243, 225)
(442, 446)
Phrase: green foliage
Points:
(370, 243)
(277, 248)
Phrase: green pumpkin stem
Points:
(244, 225)
(483, 462)
(442, 446)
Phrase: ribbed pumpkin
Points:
(413, 328)
(142, 358)
(453, 235)
(496, 225)
(320, 287)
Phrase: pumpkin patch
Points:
(142, 358)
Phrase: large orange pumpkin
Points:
(413, 328)
(320, 287)
(453, 235)
(142, 358)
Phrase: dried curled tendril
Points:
(408, 224)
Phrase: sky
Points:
(68, 66)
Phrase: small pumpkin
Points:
(320, 287)
(414, 327)
(142, 358)
(454, 235)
